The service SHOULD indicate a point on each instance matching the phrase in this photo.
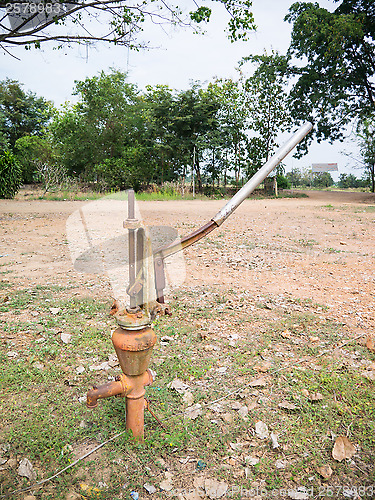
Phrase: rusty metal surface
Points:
(134, 349)
(133, 388)
(133, 362)
(135, 417)
(133, 318)
(186, 241)
(160, 309)
(139, 340)
(135, 404)
(118, 387)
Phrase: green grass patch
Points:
(45, 419)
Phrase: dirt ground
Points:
(290, 254)
(319, 248)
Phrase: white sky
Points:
(180, 56)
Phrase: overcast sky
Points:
(179, 57)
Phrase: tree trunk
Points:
(198, 170)
(213, 169)
(236, 169)
(183, 181)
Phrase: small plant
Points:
(10, 175)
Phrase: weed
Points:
(307, 243)
(331, 250)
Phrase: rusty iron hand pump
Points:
(134, 338)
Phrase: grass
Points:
(43, 410)
(70, 196)
(160, 195)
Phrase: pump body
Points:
(134, 338)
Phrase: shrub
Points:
(32, 152)
(10, 175)
(133, 170)
(282, 182)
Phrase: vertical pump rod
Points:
(132, 251)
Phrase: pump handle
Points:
(238, 198)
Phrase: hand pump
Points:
(134, 338)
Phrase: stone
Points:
(38, 366)
(261, 430)
(280, 464)
(150, 488)
(12, 354)
(188, 398)
(178, 386)
(251, 460)
(215, 489)
(243, 412)
(26, 469)
(72, 495)
(66, 338)
(193, 411)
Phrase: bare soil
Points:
(319, 248)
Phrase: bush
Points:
(350, 181)
(282, 182)
(322, 179)
(132, 170)
(33, 151)
(10, 175)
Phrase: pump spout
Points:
(117, 387)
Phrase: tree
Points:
(334, 82)
(10, 174)
(366, 142)
(33, 154)
(299, 177)
(4, 143)
(195, 116)
(350, 181)
(106, 120)
(133, 170)
(268, 106)
(283, 182)
(119, 22)
(21, 113)
(322, 179)
(159, 112)
(233, 116)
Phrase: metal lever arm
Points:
(238, 198)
